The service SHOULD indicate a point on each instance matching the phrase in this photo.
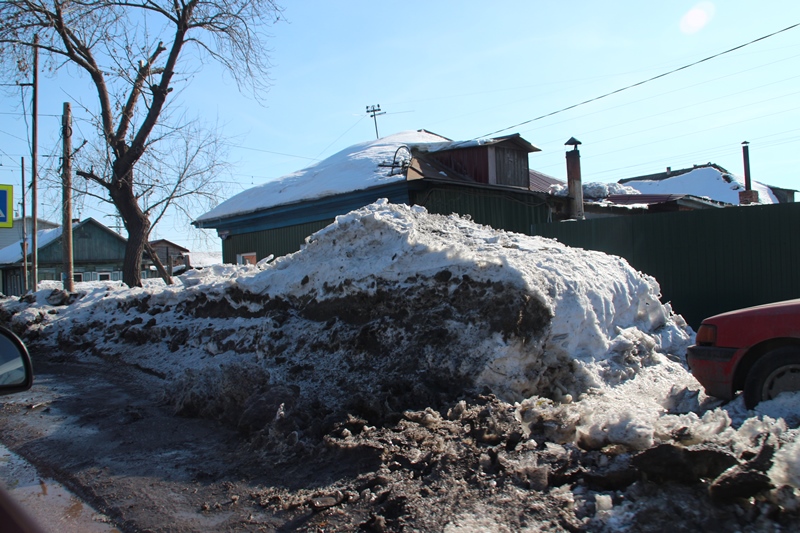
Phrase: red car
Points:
(756, 350)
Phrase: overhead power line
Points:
(275, 153)
(648, 80)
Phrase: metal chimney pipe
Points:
(746, 157)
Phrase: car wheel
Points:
(776, 372)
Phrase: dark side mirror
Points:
(16, 372)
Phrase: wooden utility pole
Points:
(24, 233)
(34, 156)
(374, 111)
(66, 209)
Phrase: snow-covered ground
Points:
(391, 310)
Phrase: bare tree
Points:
(131, 51)
(179, 172)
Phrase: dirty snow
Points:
(392, 310)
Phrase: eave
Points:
(314, 210)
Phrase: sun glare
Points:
(697, 18)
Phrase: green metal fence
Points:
(708, 261)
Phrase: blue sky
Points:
(467, 69)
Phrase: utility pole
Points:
(24, 233)
(34, 156)
(374, 111)
(66, 209)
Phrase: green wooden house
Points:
(98, 254)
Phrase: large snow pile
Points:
(391, 295)
(392, 316)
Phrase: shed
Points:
(170, 254)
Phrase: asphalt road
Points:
(46, 501)
(102, 431)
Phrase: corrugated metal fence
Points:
(708, 261)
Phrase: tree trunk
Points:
(132, 267)
(136, 223)
(159, 265)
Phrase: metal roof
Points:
(655, 199)
(541, 182)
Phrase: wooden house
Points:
(489, 180)
(98, 254)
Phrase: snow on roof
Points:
(705, 182)
(455, 145)
(354, 168)
(593, 190)
(12, 253)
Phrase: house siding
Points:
(89, 244)
(277, 242)
(501, 208)
(512, 167)
(472, 162)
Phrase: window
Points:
(104, 276)
(77, 277)
(246, 259)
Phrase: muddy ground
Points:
(108, 433)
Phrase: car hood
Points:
(777, 308)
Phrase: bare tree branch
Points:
(134, 71)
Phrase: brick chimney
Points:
(574, 182)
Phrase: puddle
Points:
(48, 502)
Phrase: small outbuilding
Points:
(170, 254)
